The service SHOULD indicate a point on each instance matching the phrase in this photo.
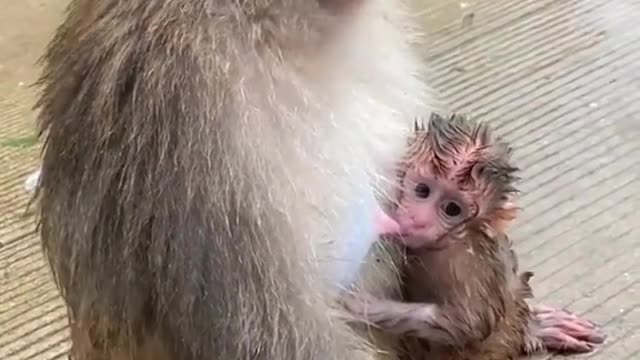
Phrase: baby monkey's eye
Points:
(452, 209)
(422, 190)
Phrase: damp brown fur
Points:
(487, 317)
(464, 153)
(198, 156)
(461, 295)
(474, 279)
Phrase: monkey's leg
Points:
(422, 320)
(558, 330)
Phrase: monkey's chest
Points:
(434, 276)
(452, 278)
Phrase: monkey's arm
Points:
(447, 325)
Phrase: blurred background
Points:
(560, 79)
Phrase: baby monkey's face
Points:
(429, 209)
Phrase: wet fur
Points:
(487, 326)
(198, 156)
(465, 153)
(474, 280)
(477, 285)
(467, 300)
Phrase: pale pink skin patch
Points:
(385, 225)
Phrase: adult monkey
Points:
(201, 160)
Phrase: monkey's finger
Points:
(576, 330)
(561, 316)
(545, 309)
(581, 333)
(543, 312)
(570, 316)
(594, 337)
(556, 340)
(557, 319)
(550, 310)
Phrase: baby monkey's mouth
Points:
(416, 238)
(421, 242)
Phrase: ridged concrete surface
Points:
(559, 79)
(32, 322)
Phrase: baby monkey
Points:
(463, 295)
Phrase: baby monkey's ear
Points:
(505, 213)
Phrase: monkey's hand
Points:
(560, 331)
(422, 320)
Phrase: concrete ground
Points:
(560, 79)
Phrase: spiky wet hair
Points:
(465, 152)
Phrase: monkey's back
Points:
(477, 284)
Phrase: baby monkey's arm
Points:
(439, 324)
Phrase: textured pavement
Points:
(560, 79)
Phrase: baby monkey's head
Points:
(454, 177)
